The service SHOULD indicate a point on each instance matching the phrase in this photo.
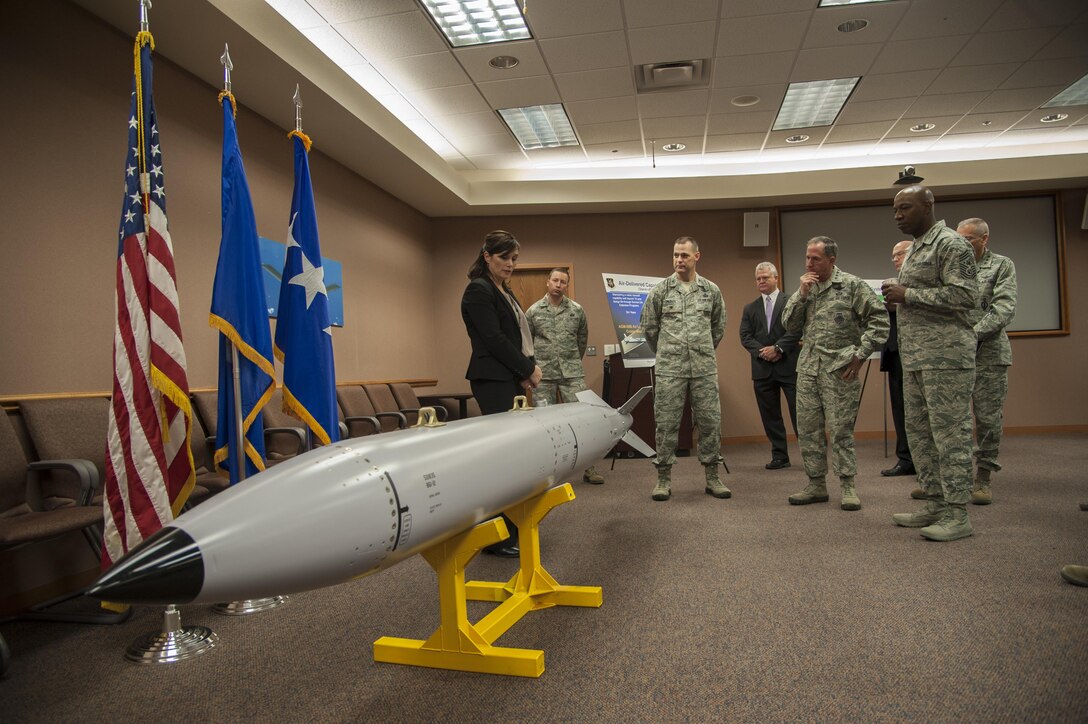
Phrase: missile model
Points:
(361, 505)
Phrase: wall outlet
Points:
(591, 351)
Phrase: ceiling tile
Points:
(500, 161)
(735, 142)
(692, 145)
(758, 69)
(559, 155)
(777, 139)
(393, 36)
(613, 151)
(463, 125)
(893, 85)
(604, 83)
(602, 133)
(420, 72)
(370, 79)
(668, 43)
(1004, 47)
(677, 126)
(883, 110)
(965, 79)
(475, 59)
(585, 52)
(730, 123)
(947, 104)
(941, 124)
(858, 131)
(770, 98)
(964, 140)
(762, 34)
(299, 14)
(973, 122)
(485, 145)
(519, 92)
(745, 8)
(1021, 14)
(919, 54)
(342, 11)
(333, 44)
(902, 146)
(648, 13)
(603, 110)
(1037, 73)
(558, 18)
(1023, 99)
(1069, 44)
(936, 18)
(673, 103)
(448, 101)
(827, 63)
(823, 32)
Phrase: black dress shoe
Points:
(504, 551)
(897, 469)
(777, 464)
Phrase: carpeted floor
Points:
(745, 609)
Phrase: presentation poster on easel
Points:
(626, 294)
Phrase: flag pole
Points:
(297, 99)
(174, 642)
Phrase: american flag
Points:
(149, 464)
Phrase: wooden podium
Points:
(620, 382)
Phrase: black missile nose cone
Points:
(166, 568)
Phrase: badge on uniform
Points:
(840, 319)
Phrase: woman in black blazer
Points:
(502, 363)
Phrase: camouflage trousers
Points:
(988, 400)
(938, 416)
(669, 395)
(826, 402)
(566, 387)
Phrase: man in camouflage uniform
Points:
(937, 293)
(560, 334)
(993, 356)
(842, 322)
(683, 320)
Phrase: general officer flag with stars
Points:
(303, 331)
(238, 312)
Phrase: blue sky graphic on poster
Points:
(273, 255)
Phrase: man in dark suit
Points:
(774, 361)
(890, 363)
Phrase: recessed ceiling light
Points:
(815, 103)
(987, 123)
(673, 147)
(922, 127)
(540, 126)
(476, 22)
(1074, 95)
(1054, 117)
(503, 62)
(742, 101)
(852, 26)
(799, 138)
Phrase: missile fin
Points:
(637, 443)
(592, 398)
(633, 402)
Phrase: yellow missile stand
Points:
(463, 646)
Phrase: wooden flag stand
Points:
(460, 645)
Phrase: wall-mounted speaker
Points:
(757, 228)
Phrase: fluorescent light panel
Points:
(540, 126)
(815, 103)
(1074, 95)
(835, 3)
(477, 22)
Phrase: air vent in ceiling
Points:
(652, 77)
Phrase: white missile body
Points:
(362, 505)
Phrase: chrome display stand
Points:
(174, 643)
(248, 606)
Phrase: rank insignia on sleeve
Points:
(967, 265)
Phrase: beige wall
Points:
(404, 273)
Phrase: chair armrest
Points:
(84, 470)
(402, 421)
(439, 409)
(298, 432)
(343, 427)
(373, 421)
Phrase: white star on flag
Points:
(312, 278)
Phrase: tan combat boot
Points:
(1077, 575)
(918, 494)
(952, 526)
(814, 492)
(850, 499)
(592, 477)
(663, 489)
(933, 512)
(714, 484)
(980, 494)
